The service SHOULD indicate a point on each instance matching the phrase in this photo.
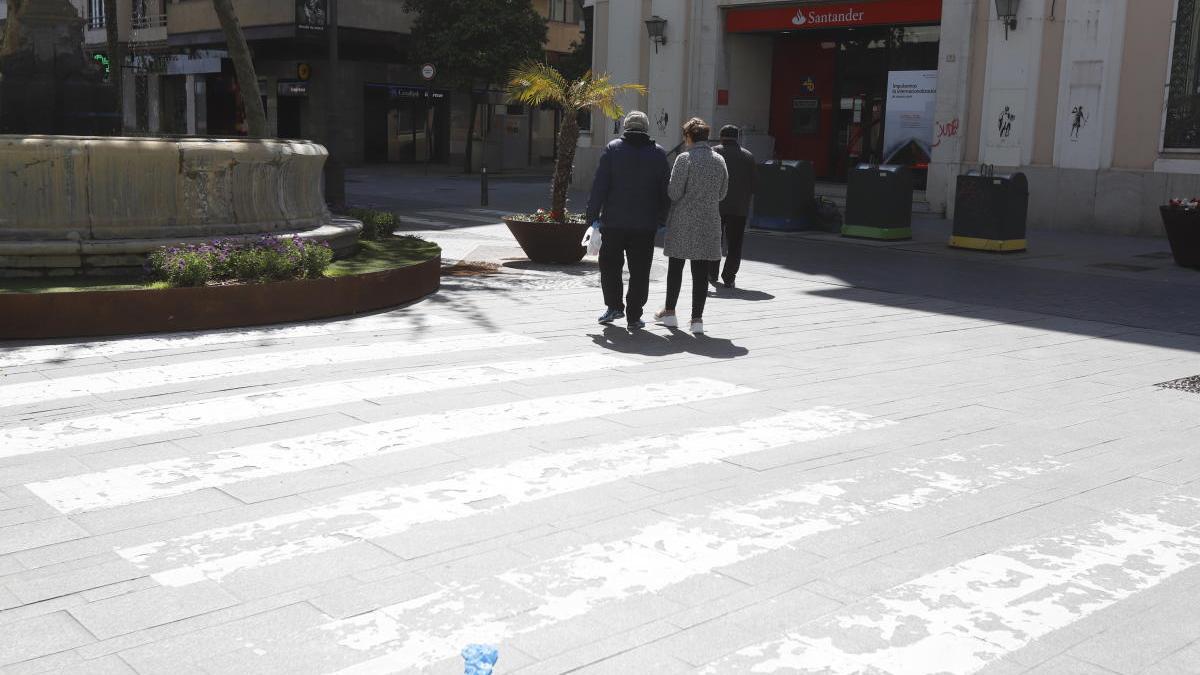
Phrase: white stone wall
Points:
(1010, 93)
(952, 116)
(1093, 43)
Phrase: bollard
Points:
(483, 187)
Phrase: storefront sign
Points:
(908, 126)
(833, 15)
(292, 88)
(199, 62)
(311, 15)
(400, 91)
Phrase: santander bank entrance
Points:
(850, 82)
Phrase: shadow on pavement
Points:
(1113, 308)
(647, 343)
(742, 294)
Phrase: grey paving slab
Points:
(123, 614)
(40, 636)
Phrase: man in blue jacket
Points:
(629, 199)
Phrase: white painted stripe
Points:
(212, 369)
(458, 215)
(424, 630)
(61, 434)
(143, 482)
(961, 618)
(12, 357)
(219, 552)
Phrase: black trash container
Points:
(879, 202)
(785, 196)
(990, 212)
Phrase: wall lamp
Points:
(1006, 11)
(656, 26)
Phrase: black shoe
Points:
(636, 324)
(611, 315)
(729, 284)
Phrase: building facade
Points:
(178, 78)
(1096, 101)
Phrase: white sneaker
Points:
(666, 318)
(697, 326)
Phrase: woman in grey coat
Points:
(699, 181)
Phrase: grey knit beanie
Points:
(637, 120)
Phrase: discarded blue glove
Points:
(480, 659)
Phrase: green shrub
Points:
(377, 225)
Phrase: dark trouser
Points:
(734, 228)
(700, 270)
(615, 246)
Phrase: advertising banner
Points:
(908, 124)
(311, 15)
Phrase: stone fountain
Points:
(75, 202)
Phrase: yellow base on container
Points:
(997, 245)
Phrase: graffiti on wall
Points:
(945, 131)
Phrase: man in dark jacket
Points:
(736, 204)
(629, 199)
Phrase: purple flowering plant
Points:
(269, 258)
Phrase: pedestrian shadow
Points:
(742, 294)
(649, 343)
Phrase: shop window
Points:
(1183, 100)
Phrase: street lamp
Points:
(1006, 11)
(656, 26)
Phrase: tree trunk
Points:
(471, 133)
(116, 59)
(568, 137)
(243, 65)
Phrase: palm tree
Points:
(535, 83)
(243, 66)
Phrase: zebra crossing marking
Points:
(153, 480)
(68, 433)
(217, 553)
(212, 369)
(961, 618)
(423, 630)
(12, 357)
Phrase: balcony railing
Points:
(145, 21)
(95, 23)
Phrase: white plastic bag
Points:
(592, 239)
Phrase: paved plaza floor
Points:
(880, 459)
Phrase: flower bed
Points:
(384, 274)
(267, 259)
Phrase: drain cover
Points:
(1122, 267)
(1190, 384)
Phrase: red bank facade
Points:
(837, 68)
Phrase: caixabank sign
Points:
(833, 15)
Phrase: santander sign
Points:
(818, 18)
(832, 14)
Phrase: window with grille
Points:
(95, 17)
(1183, 100)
